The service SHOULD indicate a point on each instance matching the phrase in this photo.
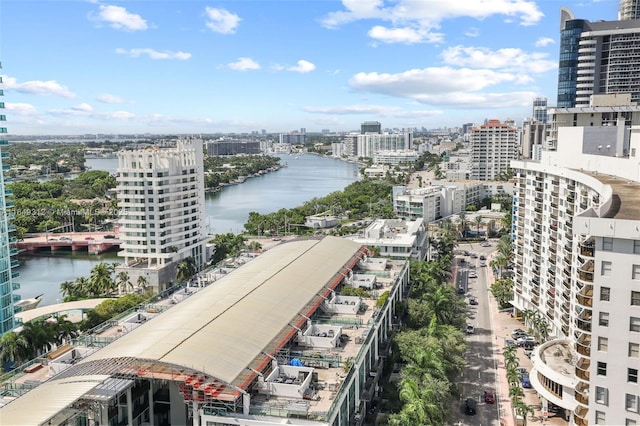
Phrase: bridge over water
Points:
(92, 242)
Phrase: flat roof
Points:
(626, 194)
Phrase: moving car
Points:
(473, 274)
(470, 329)
(473, 301)
(489, 397)
(470, 406)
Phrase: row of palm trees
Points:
(463, 223)
(515, 390)
(36, 337)
(102, 281)
(536, 323)
(432, 345)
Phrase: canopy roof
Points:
(225, 329)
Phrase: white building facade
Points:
(161, 197)
(397, 239)
(493, 146)
(576, 232)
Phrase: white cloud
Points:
(37, 87)
(244, 64)
(472, 32)
(544, 41)
(418, 82)
(468, 100)
(378, 110)
(404, 35)
(302, 67)
(83, 107)
(110, 99)
(512, 59)
(412, 19)
(154, 54)
(221, 21)
(117, 17)
(20, 108)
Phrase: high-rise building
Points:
(629, 9)
(161, 197)
(7, 241)
(597, 58)
(493, 146)
(539, 112)
(371, 127)
(576, 234)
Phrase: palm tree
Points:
(68, 289)
(462, 216)
(512, 375)
(478, 221)
(123, 281)
(100, 281)
(184, 271)
(142, 283)
(516, 393)
(13, 347)
(523, 410)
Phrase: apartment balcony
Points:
(584, 324)
(582, 368)
(551, 314)
(585, 296)
(588, 248)
(566, 306)
(584, 274)
(15, 286)
(581, 414)
(583, 344)
(535, 300)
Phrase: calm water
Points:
(305, 177)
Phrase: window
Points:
(632, 375)
(604, 319)
(636, 246)
(630, 422)
(601, 395)
(605, 294)
(634, 350)
(635, 298)
(606, 268)
(631, 403)
(602, 368)
(607, 243)
(600, 420)
(634, 324)
(636, 272)
(603, 344)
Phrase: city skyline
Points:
(75, 67)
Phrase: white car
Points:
(472, 274)
(470, 329)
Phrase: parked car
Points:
(485, 244)
(526, 383)
(109, 237)
(526, 340)
(522, 372)
(518, 332)
(483, 264)
(489, 397)
(470, 406)
(509, 343)
(473, 301)
(470, 329)
(473, 274)
(483, 257)
(528, 352)
(66, 239)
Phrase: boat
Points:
(28, 304)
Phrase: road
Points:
(480, 374)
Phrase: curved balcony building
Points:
(576, 233)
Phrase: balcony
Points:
(585, 272)
(588, 248)
(583, 345)
(585, 296)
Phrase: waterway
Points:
(305, 177)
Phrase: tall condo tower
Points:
(161, 197)
(629, 9)
(539, 112)
(493, 146)
(7, 241)
(600, 57)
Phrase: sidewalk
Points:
(503, 325)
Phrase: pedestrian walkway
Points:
(503, 325)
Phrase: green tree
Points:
(13, 347)
(142, 283)
(124, 282)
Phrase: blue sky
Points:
(199, 66)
